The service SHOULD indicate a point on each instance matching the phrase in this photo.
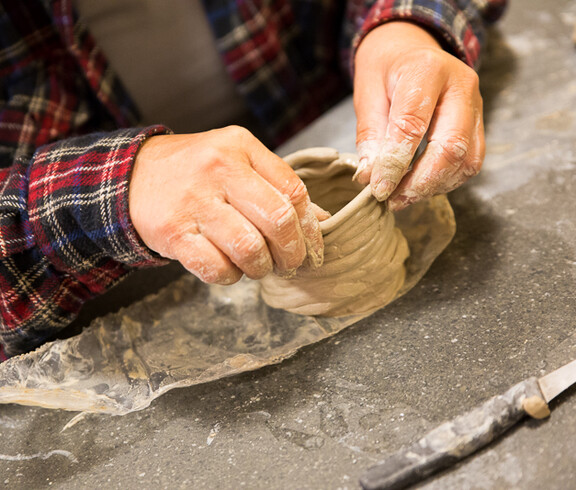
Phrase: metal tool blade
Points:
(456, 439)
(558, 381)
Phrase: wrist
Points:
(144, 180)
(400, 33)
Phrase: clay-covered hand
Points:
(406, 88)
(222, 204)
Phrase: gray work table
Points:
(496, 307)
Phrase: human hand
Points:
(222, 204)
(405, 88)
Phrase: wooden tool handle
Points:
(452, 440)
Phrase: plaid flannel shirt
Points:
(69, 135)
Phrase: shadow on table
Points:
(133, 288)
(498, 68)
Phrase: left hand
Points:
(223, 205)
(407, 87)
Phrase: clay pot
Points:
(364, 252)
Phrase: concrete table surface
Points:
(498, 306)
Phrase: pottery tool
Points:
(458, 438)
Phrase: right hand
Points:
(222, 204)
(407, 87)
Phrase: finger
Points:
(273, 215)
(203, 259)
(411, 111)
(454, 152)
(237, 238)
(283, 178)
(371, 106)
(321, 214)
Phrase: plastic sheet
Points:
(191, 333)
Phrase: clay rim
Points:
(348, 211)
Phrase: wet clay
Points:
(364, 252)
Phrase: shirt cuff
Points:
(457, 33)
(78, 203)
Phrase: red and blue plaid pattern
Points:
(65, 232)
(69, 237)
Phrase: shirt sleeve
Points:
(65, 232)
(459, 25)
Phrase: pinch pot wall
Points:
(364, 251)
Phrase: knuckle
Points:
(366, 134)
(297, 193)
(168, 228)
(411, 126)
(252, 256)
(213, 156)
(472, 77)
(430, 60)
(237, 132)
(434, 65)
(250, 253)
(248, 246)
(283, 219)
(168, 234)
(455, 149)
(467, 82)
(369, 132)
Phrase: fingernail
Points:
(313, 237)
(321, 214)
(315, 250)
(316, 255)
(362, 165)
(401, 202)
(382, 189)
(227, 280)
(368, 149)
